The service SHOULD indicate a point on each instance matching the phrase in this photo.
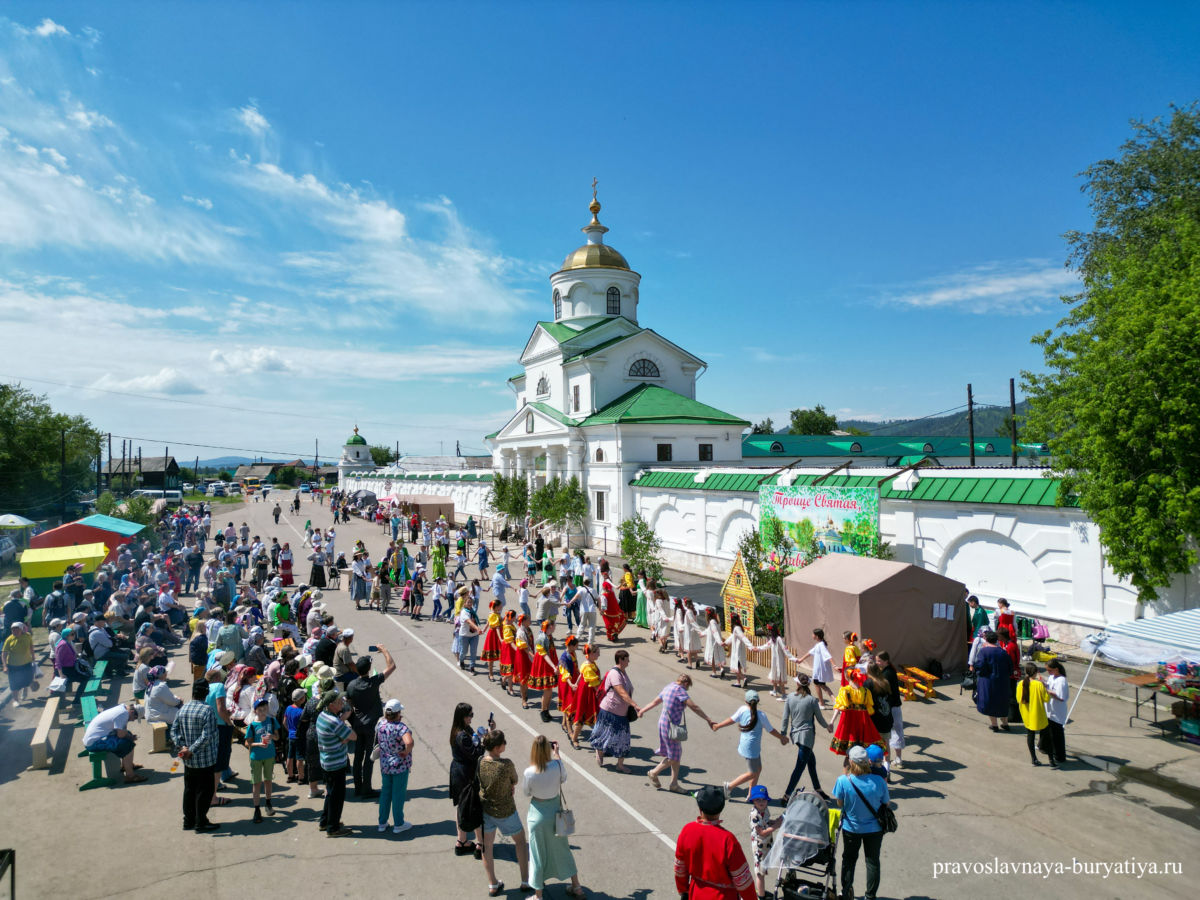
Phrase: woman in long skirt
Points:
(549, 854)
(692, 632)
(508, 649)
(614, 617)
(779, 661)
(739, 647)
(822, 667)
(491, 641)
(641, 613)
(610, 737)
(316, 578)
(714, 645)
(523, 658)
(587, 694)
(285, 565)
(543, 674)
(568, 679)
(852, 720)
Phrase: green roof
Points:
(109, 523)
(559, 331)
(517, 377)
(488, 437)
(601, 346)
(356, 439)
(893, 447)
(553, 413)
(987, 489)
(649, 403)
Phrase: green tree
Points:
(497, 497)
(766, 426)
(509, 496)
(572, 507)
(33, 478)
(641, 546)
(812, 421)
(286, 476)
(1119, 404)
(224, 475)
(543, 503)
(381, 456)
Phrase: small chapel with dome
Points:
(599, 395)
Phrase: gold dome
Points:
(595, 256)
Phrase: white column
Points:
(551, 468)
(575, 461)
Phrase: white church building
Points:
(605, 399)
(600, 395)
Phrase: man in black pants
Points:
(363, 693)
(194, 733)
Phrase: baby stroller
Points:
(804, 854)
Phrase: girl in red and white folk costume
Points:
(850, 655)
(491, 640)
(709, 861)
(568, 679)
(852, 719)
(543, 675)
(523, 658)
(611, 612)
(508, 649)
(587, 693)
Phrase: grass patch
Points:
(196, 497)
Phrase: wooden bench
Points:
(40, 745)
(918, 680)
(96, 681)
(98, 758)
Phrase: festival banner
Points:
(834, 519)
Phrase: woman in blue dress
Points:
(993, 688)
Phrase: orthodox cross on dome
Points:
(356, 429)
(593, 228)
(594, 183)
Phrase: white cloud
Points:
(253, 121)
(371, 254)
(249, 360)
(167, 380)
(48, 28)
(1021, 287)
(202, 202)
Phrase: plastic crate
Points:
(1190, 726)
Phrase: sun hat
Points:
(758, 792)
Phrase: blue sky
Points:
(295, 217)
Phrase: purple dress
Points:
(674, 702)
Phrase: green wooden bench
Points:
(95, 682)
(99, 778)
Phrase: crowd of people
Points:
(274, 671)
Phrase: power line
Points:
(257, 410)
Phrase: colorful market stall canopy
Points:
(107, 530)
(110, 523)
(43, 566)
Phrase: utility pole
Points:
(1012, 413)
(109, 461)
(62, 474)
(971, 423)
(99, 459)
(124, 471)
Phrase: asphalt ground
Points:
(966, 798)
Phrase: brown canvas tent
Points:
(427, 506)
(903, 608)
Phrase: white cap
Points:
(393, 706)
(349, 632)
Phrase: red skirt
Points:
(285, 573)
(614, 624)
(587, 702)
(854, 727)
(506, 657)
(543, 674)
(491, 646)
(521, 665)
(566, 697)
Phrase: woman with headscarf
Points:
(239, 693)
(285, 564)
(18, 660)
(161, 704)
(641, 608)
(256, 650)
(852, 717)
(611, 611)
(145, 641)
(993, 687)
(543, 674)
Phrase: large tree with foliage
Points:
(33, 477)
(509, 496)
(641, 546)
(381, 456)
(812, 421)
(766, 426)
(1119, 404)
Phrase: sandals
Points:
(136, 779)
(464, 848)
(576, 892)
(678, 789)
(654, 782)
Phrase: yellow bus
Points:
(251, 484)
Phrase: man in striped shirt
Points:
(333, 734)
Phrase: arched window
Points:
(529, 423)
(557, 306)
(599, 455)
(856, 447)
(614, 301)
(989, 448)
(928, 448)
(543, 386)
(643, 368)
(776, 447)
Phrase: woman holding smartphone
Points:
(549, 854)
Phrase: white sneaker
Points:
(401, 828)
(725, 787)
(382, 828)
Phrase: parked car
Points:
(216, 490)
(188, 487)
(234, 488)
(306, 488)
(8, 550)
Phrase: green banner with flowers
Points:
(798, 523)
